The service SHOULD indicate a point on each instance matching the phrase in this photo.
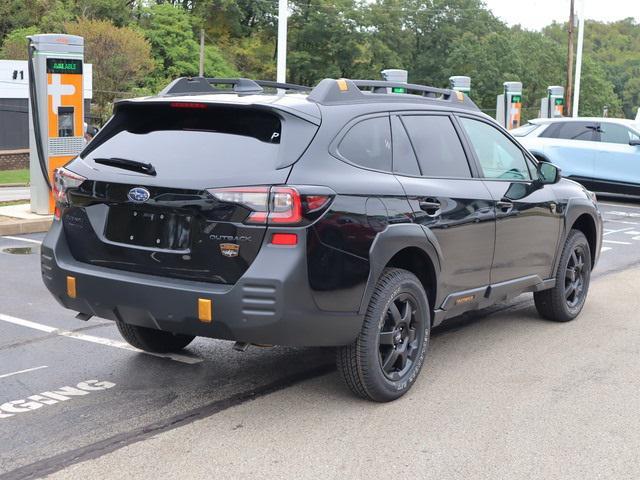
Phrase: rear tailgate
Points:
(169, 223)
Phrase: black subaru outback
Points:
(350, 215)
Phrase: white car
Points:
(603, 154)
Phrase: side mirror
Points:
(548, 173)
(634, 143)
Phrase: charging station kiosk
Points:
(552, 105)
(509, 105)
(395, 75)
(460, 83)
(56, 110)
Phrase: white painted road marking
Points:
(93, 339)
(617, 205)
(30, 240)
(632, 232)
(604, 249)
(34, 402)
(609, 232)
(623, 214)
(22, 371)
(609, 220)
(616, 242)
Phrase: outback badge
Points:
(229, 249)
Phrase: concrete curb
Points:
(18, 226)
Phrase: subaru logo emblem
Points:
(138, 195)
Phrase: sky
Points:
(535, 14)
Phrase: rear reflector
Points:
(204, 310)
(71, 287)
(284, 239)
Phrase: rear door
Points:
(430, 163)
(201, 214)
(617, 166)
(528, 223)
(572, 146)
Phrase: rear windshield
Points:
(202, 133)
(524, 130)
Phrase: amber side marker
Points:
(71, 286)
(204, 310)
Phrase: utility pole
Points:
(569, 89)
(201, 69)
(576, 89)
(281, 68)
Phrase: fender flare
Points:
(389, 242)
(575, 208)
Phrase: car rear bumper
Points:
(270, 304)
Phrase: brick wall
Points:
(14, 159)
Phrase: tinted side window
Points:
(614, 133)
(368, 143)
(499, 157)
(437, 146)
(404, 159)
(570, 131)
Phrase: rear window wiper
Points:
(127, 164)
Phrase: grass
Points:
(13, 202)
(14, 176)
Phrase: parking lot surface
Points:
(525, 395)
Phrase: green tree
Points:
(20, 14)
(15, 44)
(121, 59)
(489, 60)
(174, 47)
(325, 41)
(596, 92)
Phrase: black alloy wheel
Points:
(400, 337)
(575, 278)
(383, 363)
(564, 301)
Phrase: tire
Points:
(151, 340)
(565, 300)
(385, 360)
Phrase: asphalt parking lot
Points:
(106, 396)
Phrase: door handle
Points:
(430, 206)
(504, 205)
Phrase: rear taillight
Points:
(272, 205)
(285, 206)
(63, 180)
(255, 199)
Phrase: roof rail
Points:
(205, 85)
(380, 86)
(283, 86)
(330, 91)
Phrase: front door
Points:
(527, 218)
(447, 201)
(571, 145)
(617, 166)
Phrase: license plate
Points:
(168, 231)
